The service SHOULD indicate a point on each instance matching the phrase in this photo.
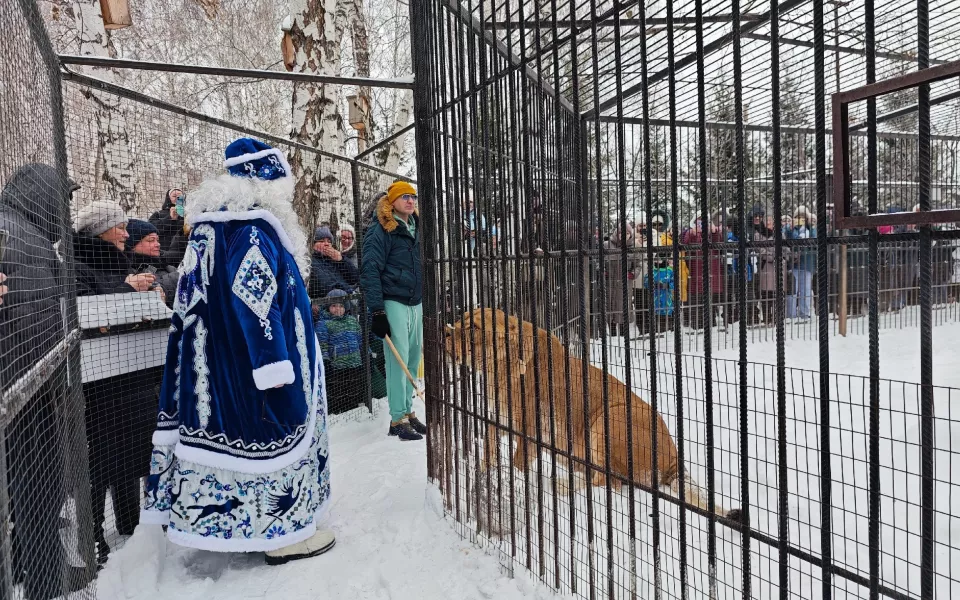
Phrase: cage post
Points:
(873, 299)
(421, 53)
(744, 418)
(708, 339)
(927, 457)
(362, 317)
(842, 299)
(783, 490)
(823, 319)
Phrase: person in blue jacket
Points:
(391, 279)
(340, 343)
(804, 262)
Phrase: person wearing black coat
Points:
(328, 270)
(169, 219)
(33, 205)
(173, 255)
(120, 410)
(31, 322)
(142, 249)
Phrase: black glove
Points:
(381, 326)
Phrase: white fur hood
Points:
(230, 198)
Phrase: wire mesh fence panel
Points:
(133, 245)
(653, 365)
(898, 292)
(45, 547)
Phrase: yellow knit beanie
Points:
(385, 207)
(399, 188)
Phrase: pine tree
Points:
(722, 167)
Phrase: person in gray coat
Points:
(768, 270)
(619, 316)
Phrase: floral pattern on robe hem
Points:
(227, 511)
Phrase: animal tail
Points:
(696, 496)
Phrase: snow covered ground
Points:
(849, 392)
(392, 542)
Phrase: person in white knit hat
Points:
(348, 244)
(118, 408)
(101, 265)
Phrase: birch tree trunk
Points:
(389, 156)
(361, 43)
(316, 117)
(111, 158)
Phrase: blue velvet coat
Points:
(242, 374)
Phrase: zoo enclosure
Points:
(567, 120)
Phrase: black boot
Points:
(404, 431)
(417, 425)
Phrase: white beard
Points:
(241, 194)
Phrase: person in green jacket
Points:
(339, 336)
(391, 279)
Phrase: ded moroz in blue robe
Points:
(240, 451)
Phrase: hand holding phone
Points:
(141, 282)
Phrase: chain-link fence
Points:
(45, 552)
(129, 250)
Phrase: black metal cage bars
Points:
(603, 180)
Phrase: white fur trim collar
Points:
(229, 198)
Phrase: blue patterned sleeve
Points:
(253, 263)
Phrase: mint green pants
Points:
(406, 333)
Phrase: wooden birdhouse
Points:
(287, 49)
(359, 111)
(116, 14)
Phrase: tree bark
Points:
(111, 161)
(389, 156)
(361, 44)
(316, 115)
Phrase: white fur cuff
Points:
(274, 374)
(166, 437)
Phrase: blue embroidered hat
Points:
(247, 157)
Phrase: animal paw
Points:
(734, 514)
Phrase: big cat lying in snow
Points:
(486, 337)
